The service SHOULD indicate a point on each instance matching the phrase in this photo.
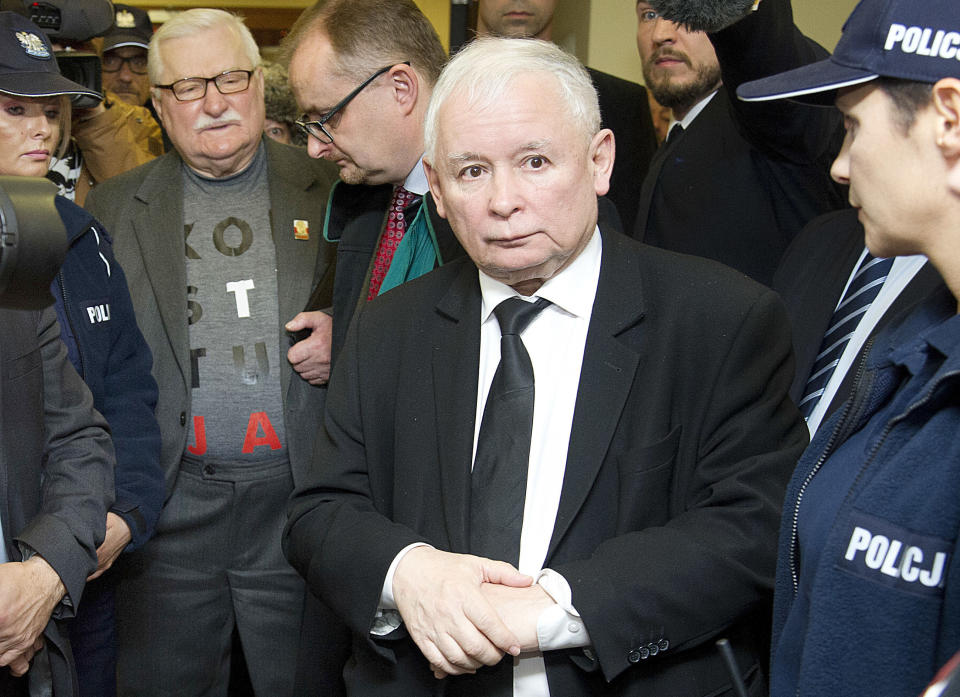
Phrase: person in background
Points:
(624, 105)
(221, 241)
(869, 556)
(104, 345)
(363, 71)
(281, 107)
(53, 538)
(123, 55)
(118, 133)
(734, 182)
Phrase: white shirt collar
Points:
(416, 181)
(694, 112)
(565, 290)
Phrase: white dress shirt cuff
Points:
(388, 618)
(560, 625)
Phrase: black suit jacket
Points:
(682, 440)
(625, 110)
(356, 219)
(811, 278)
(744, 178)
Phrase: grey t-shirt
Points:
(233, 316)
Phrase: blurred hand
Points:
(117, 538)
(310, 357)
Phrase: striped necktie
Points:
(862, 291)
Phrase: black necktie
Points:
(499, 481)
(674, 133)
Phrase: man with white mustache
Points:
(223, 246)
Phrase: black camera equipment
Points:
(71, 20)
(33, 242)
(84, 69)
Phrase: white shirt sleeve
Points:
(388, 618)
(560, 625)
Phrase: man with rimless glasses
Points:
(222, 242)
(363, 72)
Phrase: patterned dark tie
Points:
(390, 239)
(499, 480)
(863, 290)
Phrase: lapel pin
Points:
(301, 230)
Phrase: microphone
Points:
(723, 645)
(703, 15)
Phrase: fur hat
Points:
(280, 104)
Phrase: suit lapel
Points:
(158, 226)
(296, 258)
(606, 378)
(455, 367)
(668, 153)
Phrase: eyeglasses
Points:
(112, 63)
(318, 129)
(190, 89)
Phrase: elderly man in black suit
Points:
(584, 518)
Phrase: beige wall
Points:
(438, 12)
(612, 24)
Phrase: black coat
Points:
(811, 278)
(681, 444)
(745, 178)
(625, 110)
(355, 220)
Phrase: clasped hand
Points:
(29, 591)
(454, 607)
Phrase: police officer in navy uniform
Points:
(867, 580)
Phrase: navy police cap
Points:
(131, 27)
(28, 67)
(916, 40)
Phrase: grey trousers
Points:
(214, 564)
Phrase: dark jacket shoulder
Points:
(105, 346)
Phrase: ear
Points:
(406, 87)
(602, 153)
(433, 180)
(946, 102)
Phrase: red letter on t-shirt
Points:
(200, 434)
(258, 420)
